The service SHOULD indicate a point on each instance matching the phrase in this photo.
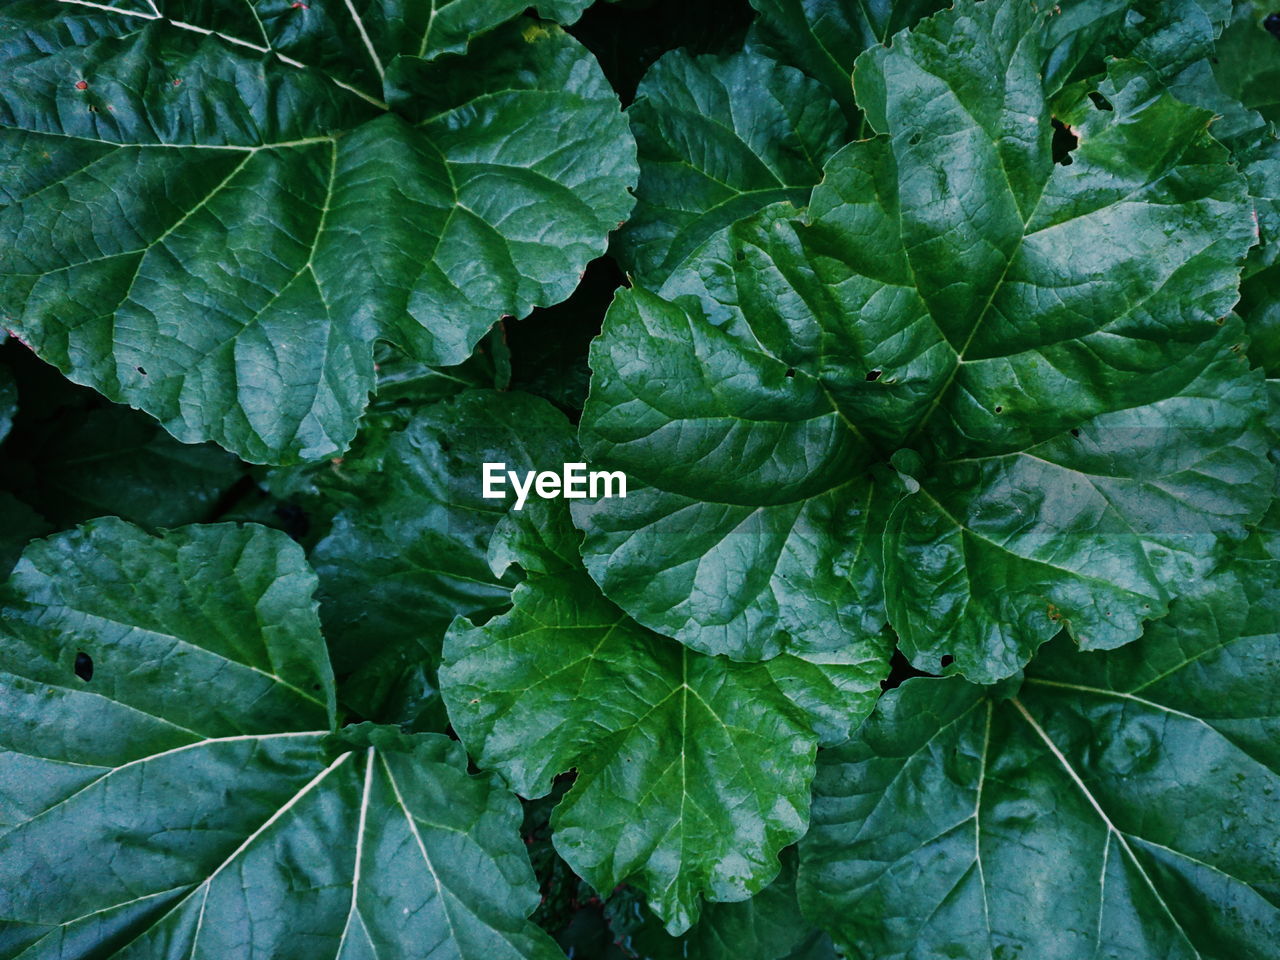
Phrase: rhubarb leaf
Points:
(216, 227)
(1121, 804)
(170, 781)
(1041, 351)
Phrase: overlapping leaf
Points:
(692, 771)
(71, 456)
(1040, 350)
(170, 782)
(115, 461)
(1121, 804)
(769, 926)
(1213, 55)
(719, 137)
(408, 552)
(824, 38)
(215, 227)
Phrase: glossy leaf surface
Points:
(824, 38)
(408, 551)
(1038, 349)
(1121, 804)
(692, 771)
(238, 215)
(720, 137)
(167, 709)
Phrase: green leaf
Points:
(119, 462)
(237, 220)
(693, 771)
(766, 927)
(1114, 537)
(1246, 69)
(230, 608)
(186, 794)
(1121, 804)
(747, 509)
(565, 11)
(824, 38)
(1041, 348)
(1230, 75)
(719, 137)
(409, 552)
(1172, 35)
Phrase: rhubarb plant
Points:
(928, 357)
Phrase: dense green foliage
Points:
(939, 345)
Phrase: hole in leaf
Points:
(1099, 101)
(914, 139)
(1064, 141)
(791, 371)
(947, 660)
(1272, 24)
(84, 666)
(873, 376)
(141, 370)
(999, 409)
(900, 669)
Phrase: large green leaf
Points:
(692, 771)
(229, 608)
(215, 227)
(748, 516)
(1041, 350)
(766, 927)
(408, 554)
(171, 786)
(825, 37)
(1240, 83)
(719, 137)
(1120, 805)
